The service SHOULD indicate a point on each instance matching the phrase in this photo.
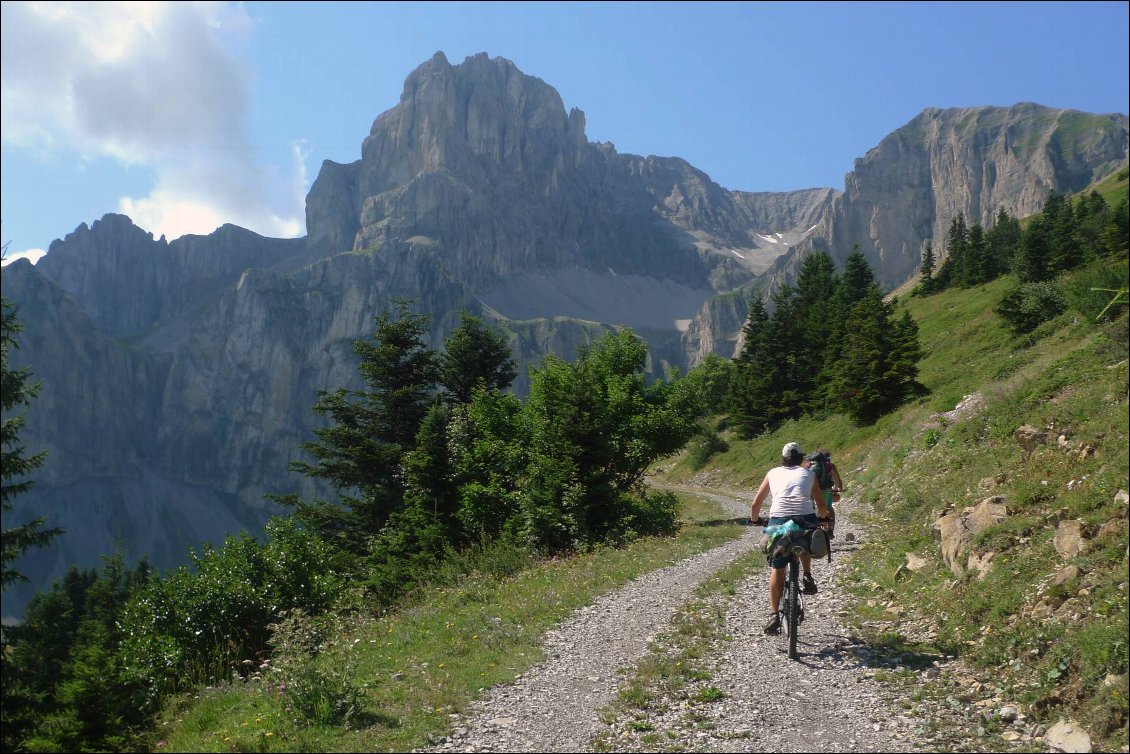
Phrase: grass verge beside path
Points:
(416, 668)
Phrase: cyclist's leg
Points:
(776, 588)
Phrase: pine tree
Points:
(1032, 261)
(1063, 251)
(956, 265)
(1002, 243)
(417, 535)
(815, 286)
(750, 397)
(878, 368)
(926, 270)
(475, 355)
(1115, 236)
(1091, 218)
(906, 352)
(370, 431)
(976, 256)
(856, 281)
(16, 391)
(784, 378)
(753, 332)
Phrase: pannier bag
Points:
(778, 537)
(817, 542)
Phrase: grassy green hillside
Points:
(1035, 632)
(1114, 188)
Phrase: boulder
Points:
(956, 530)
(990, 511)
(1068, 736)
(915, 562)
(951, 529)
(981, 565)
(1028, 437)
(1066, 576)
(1070, 539)
(1111, 528)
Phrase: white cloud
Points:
(163, 85)
(32, 254)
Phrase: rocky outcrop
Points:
(1028, 438)
(956, 532)
(975, 161)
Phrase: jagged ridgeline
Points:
(179, 377)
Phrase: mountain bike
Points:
(792, 601)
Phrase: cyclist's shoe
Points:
(774, 624)
(800, 615)
(807, 584)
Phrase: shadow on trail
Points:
(737, 521)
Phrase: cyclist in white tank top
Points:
(795, 494)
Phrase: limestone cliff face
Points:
(483, 163)
(976, 161)
(178, 377)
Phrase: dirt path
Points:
(827, 701)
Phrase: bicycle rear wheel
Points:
(792, 616)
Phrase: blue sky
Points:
(189, 115)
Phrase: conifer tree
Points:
(1002, 242)
(976, 256)
(784, 364)
(878, 368)
(815, 286)
(417, 535)
(16, 390)
(955, 268)
(475, 355)
(1032, 261)
(855, 282)
(1063, 249)
(754, 330)
(926, 270)
(1115, 234)
(361, 451)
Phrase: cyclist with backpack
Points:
(796, 495)
(828, 477)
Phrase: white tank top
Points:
(791, 488)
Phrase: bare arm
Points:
(836, 478)
(758, 499)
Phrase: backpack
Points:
(822, 467)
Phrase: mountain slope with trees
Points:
(1034, 622)
(183, 371)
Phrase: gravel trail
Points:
(826, 701)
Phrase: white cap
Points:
(791, 447)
